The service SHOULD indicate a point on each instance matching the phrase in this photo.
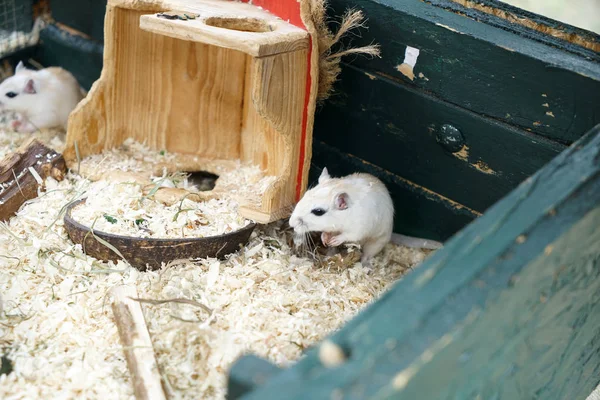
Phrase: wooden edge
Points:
(310, 105)
(85, 113)
(514, 16)
(255, 213)
(299, 13)
(255, 36)
(247, 373)
(503, 36)
(434, 305)
(137, 345)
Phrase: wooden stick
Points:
(137, 345)
(20, 174)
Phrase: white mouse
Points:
(43, 98)
(356, 208)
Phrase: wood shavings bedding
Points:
(56, 325)
(10, 140)
(239, 181)
(122, 209)
(130, 156)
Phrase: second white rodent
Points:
(44, 98)
(356, 208)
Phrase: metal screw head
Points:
(450, 138)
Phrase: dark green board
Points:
(509, 309)
(483, 68)
(80, 56)
(395, 126)
(526, 31)
(86, 16)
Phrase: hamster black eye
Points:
(11, 94)
(318, 211)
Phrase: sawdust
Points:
(128, 207)
(10, 141)
(57, 328)
(122, 209)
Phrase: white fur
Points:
(57, 92)
(368, 219)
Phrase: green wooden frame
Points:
(486, 64)
(508, 309)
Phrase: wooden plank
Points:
(137, 344)
(419, 212)
(231, 25)
(396, 127)
(508, 309)
(22, 173)
(272, 130)
(527, 24)
(78, 55)
(544, 88)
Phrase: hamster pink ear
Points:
(20, 67)
(324, 176)
(29, 87)
(341, 201)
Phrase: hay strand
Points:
(329, 59)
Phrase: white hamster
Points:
(356, 208)
(43, 98)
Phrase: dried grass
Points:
(329, 59)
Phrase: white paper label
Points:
(411, 55)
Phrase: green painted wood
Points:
(508, 309)
(251, 371)
(86, 16)
(525, 31)
(396, 127)
(418, 211)
(80, 56)
(486, 69)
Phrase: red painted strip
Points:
(289, 10)
(304, 124)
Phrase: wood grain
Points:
(137, 344)
(17, 183)
(194, 96)
(506, 310)
(395, 127)
(522, 77)
(260, 33)
(277, 87)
